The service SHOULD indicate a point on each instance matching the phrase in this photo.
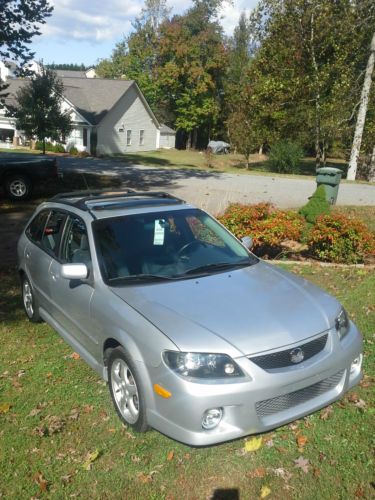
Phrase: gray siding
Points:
(129, 113)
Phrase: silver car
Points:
(196, 336)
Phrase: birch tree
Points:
(362, 111)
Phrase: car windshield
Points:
(165, 246)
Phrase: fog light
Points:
(356, 365)
(211, 418)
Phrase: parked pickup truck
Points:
(18, 175)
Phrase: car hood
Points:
(245, 311)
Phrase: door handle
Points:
(53, 276)
(27, 255)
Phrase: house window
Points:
(85, 137)
(128, 137)
(141, 137)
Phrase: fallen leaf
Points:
(75, 355)
(88, 408)
(302, 463)
(360, 404)
(135, 459)
(283, 473)
(170, 455)
(301, 442)
(90, 458)
(258, 472)
(144, 478)
(66, 479)
(316, 472)
(353, 397)
(326, 413)
(269, 443)
(40, 431)
(74, 414)
(5, 407)
(253, 444)
(265, 491)
(55, 424)
(40, 481)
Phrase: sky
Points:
(85, 31)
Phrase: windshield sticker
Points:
(159, 231)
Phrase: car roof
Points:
(105, 203)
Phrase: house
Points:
(109, 116)
(167, 137)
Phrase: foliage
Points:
(338, 238)
(19, 23)
(285, 157)
(49, 146)
(38, 112)
(73, 151)
(317, 205)
(68, 66)
(268, 226)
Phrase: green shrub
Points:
(268, 227)
(337, 238)
(285, 157)
(317, 205)
(73, 151)
(58, 148)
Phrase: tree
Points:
(361, 117)
(19, 23)
(38, 112)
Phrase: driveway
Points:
(214, 191)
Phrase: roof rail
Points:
(100, 195)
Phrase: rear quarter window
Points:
(35, 229)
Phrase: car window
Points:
(75, 246)
(35, 229)
(52, 232)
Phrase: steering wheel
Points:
(190, 245)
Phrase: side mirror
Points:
(74, 271)
(247, 242)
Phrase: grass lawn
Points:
(60, 437)
(231, 163)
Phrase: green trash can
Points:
(330, 178)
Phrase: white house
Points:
(109, 116)
(167, 137)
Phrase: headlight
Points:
(342, 323)
(202, 365)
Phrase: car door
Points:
(44, 233)
(72, 298)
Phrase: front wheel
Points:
(18, 187)
(126, 390)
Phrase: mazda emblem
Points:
(297, 355)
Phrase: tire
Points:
(126, 390)
(18, 187)
(29, 301)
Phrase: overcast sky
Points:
(84, 31)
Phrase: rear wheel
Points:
(18, 187)
(30, 302)
(126, 390)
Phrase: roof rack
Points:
(79, 199)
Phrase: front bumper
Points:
(261, 401)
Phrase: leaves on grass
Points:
(35, 411)
(253, 444)
(50, 425)
(170, 455)
(144, 478)
(326, 413)
(357, 401)
(366, 382)
(258, 472)
(301, 442)
(283, 473)
(74, 414)
(302, 463)
(5, 407)
(88, 408)
(41, 481)
(75, 355)
(265, 491)
(90, 458)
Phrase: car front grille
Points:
(282, 359)
(281, 403)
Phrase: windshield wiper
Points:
(218, 266)
(140, 277)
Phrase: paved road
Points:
(214, 191)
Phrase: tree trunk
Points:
(361, 117)
(195, 137)
(188, 144)
(44, 146)
(371, 174)
(260, 152)
(318, 151)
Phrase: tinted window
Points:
(36, 227)
(52, 232)
(75, 247)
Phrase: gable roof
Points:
(93, 98)
(164, 129)
(64, 73)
